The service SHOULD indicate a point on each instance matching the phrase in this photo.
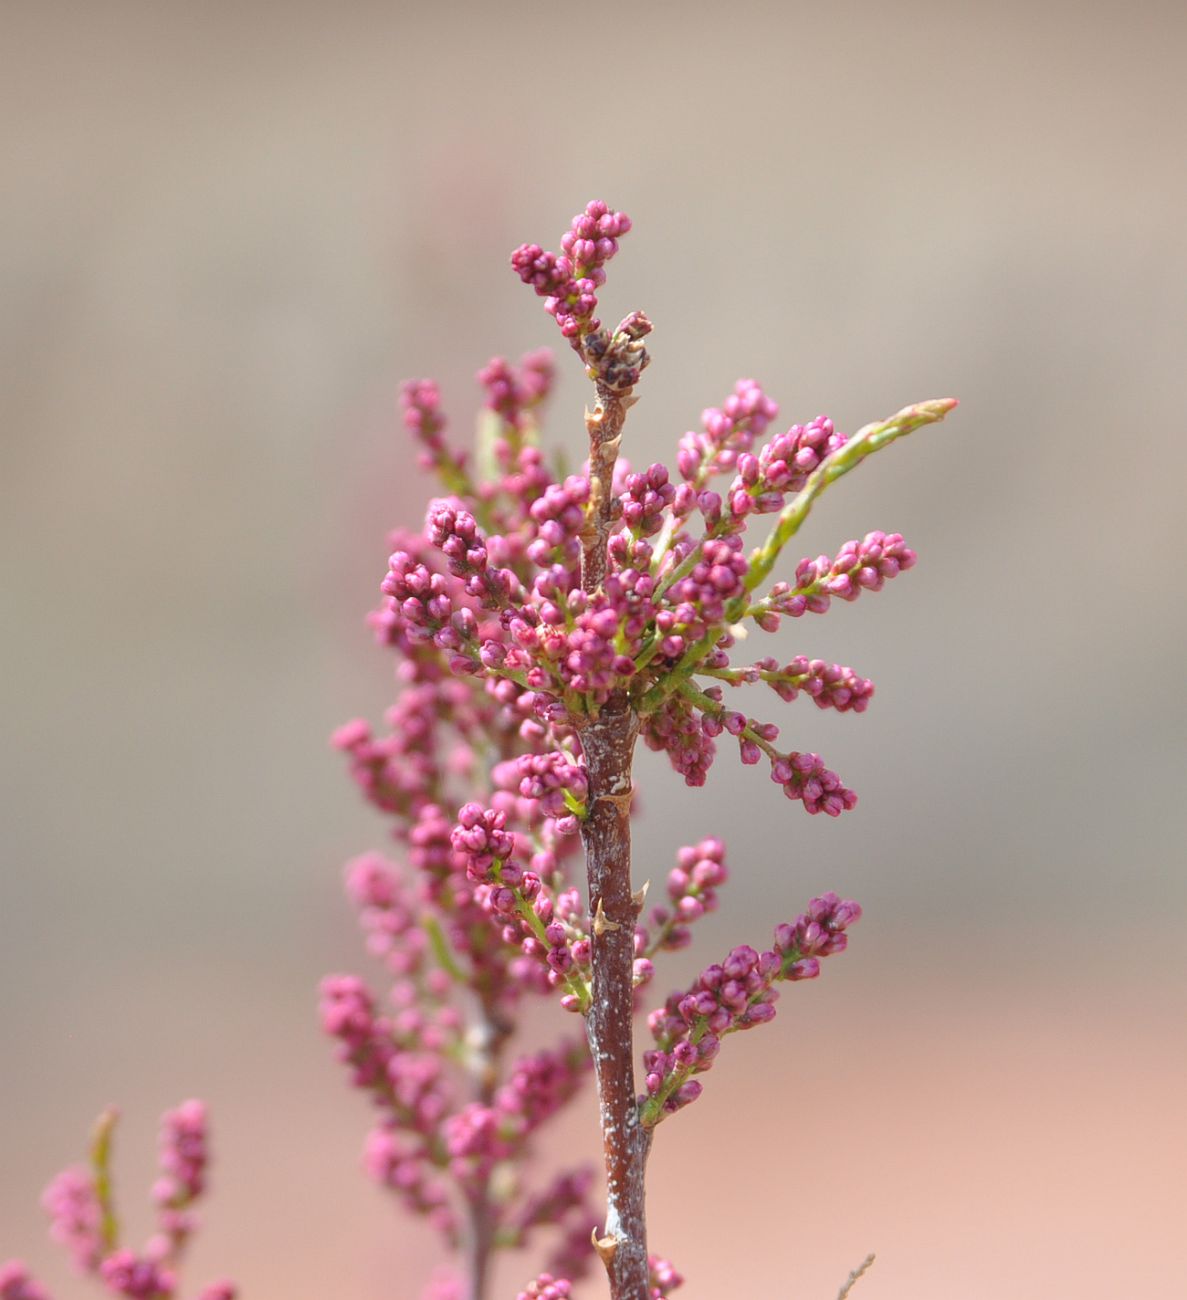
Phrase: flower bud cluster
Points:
(677, 730)
(455, 533)
(387, 914)
(558, 514)
(646, 498)
(718, 577)
(805, 777)
(17, 1283)
(182, 1154)
(140, 1279)
(563, 1204)
(409, 1085)
(404, 771)
(482, 1135)
(735, 994)
(403, 1070)
(858, 566)
(728, 431)
(830, 686)
(662, 1280)
(663, 1277)
(560, 785)
(426, 603)
(75, 1215)
(782, 467)
(513, 394)
(568, 282)
(543, 922)
(80, 1206)
(408, 1168)
(692, 884)
(421, 400)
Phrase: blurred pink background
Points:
(231, 229)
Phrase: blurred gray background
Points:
(229, 230)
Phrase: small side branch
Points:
(851, 1280)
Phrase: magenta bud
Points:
(810, 936)
(740, 962)
(677, 884)
(502, 900)
(470, 815)
(684, 1053)
(492, 654)
(847, 913)
(688, 1092)
(560, 959)
(704, 1004)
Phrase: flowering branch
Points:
(687, 592)
(542, 624)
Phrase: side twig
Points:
(851, 1280)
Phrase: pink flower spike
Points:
(76, 1217)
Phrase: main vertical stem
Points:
(608, 743)
(604, 426)
(490, 1032)
(478, 1248)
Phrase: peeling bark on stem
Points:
(608, 744)
(604, 425)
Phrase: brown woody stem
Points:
(490, 1033)
(608, 744)
(604, 425)
(479, 1241)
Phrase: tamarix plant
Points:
(543, 624)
